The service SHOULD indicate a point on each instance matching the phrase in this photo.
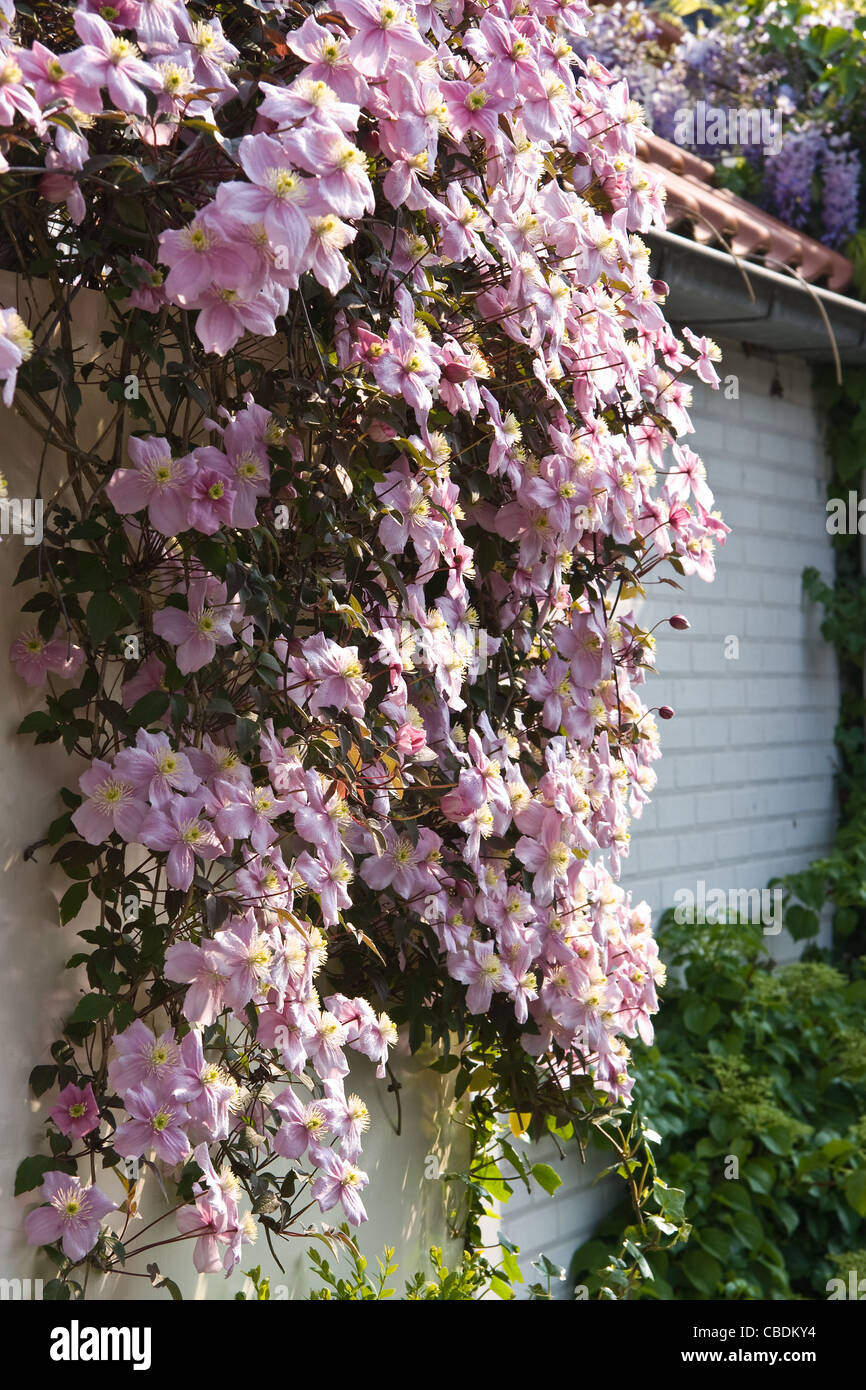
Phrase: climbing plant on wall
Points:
(332, 613)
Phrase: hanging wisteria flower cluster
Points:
(347, 582)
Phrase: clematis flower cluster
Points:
(412, 719)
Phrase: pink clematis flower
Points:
(342, 184)
(211, 501)
(202, 968)
(75, 1112)
(319, 821)
(155, 769)
(302, 1125)
(245, 465)
(107, 60)
(55, 78)
(397, 866)
(245, 956)
(409, 740)
(112, 804)
(328, 237)
(348, 1117)
(384, 32)
(406, 370)
(203, 1086)
(375, 1039)
(157, 482)
(483, 971)
(552, 687)
(204, 253)
(308, 99)
(227, 314)
(196, 633)
(72, 1216)
(156, 1124)
(339, 671)
(33, 657)
(149, 676)
(547, 857)
(340, 1181)
(178, 827)
(139, 1056)
(16, 344)
(276, 195)
(150, 293)
(246, 813)
(14, 96)
(206, 1217)
(326, 53)
(329, 877)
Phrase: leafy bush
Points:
(757, 1084)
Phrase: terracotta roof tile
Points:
(717, 215)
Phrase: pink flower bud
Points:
(380, 431)
(679, 622)
(409, 739)
(665, 712)
(56, 187)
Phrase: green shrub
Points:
(757, 1085)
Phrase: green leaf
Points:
(36, 723)
(855, 1191)
(149, 708)
(161, 1281)
(702, 1270)
(90, 1008)
(104, 617)
(32, 1170)
(546, 1177)
(42, 1079)
(73, 900)
(700, 1018)
(801, 922)
(638, 1258)
(715, 1241)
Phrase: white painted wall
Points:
(745, 789)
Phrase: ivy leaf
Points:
(702, 1270)
(546, 1177)
(855, 1191)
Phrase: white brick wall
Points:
(745, 789)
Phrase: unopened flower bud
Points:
(665, 712)
(679, 622)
